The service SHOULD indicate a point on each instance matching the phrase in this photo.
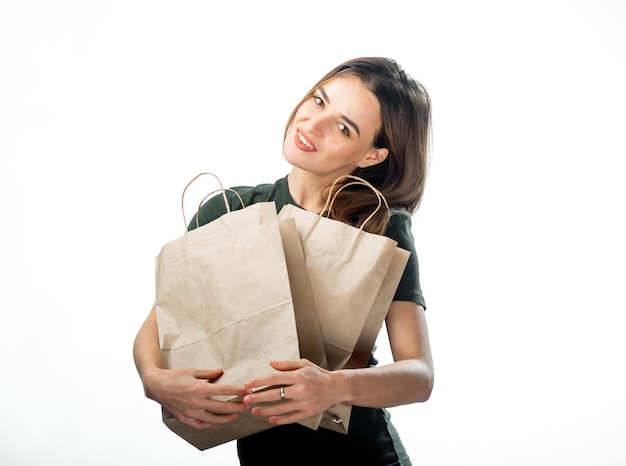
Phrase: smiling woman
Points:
(325, 135)
(367, 118)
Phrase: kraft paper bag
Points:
(346, 267)
(354, 275)
(223, 299)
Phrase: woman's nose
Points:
(316, 124)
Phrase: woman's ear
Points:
(373, 157)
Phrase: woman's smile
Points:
(303, 142)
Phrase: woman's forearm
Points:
(146, 351)
(399, 383)
(410, 378)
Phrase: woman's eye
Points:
(344, 129)
(319, 101)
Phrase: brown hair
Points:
(405, 115)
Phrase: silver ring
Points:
(282, 392)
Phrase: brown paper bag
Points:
(354, 275)
(223, 299)
(346, 267)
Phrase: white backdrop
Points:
(107, 109)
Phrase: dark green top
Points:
(399, 228)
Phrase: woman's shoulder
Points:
(264, 192)
(215, 207)
(400, 225)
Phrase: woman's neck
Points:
(306, 189)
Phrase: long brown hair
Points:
(405, 114)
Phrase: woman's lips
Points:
(304, 143)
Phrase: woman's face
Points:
(333, 131)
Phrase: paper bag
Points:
(354, 275)
(347, 267)
(223, 299)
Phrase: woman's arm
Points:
(310, 389)
(185, 393)
(410, 378)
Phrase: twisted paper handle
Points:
(221, 189)
(360, 181)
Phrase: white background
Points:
(107, 110)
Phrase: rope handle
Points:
(221, 189)
(359, 181)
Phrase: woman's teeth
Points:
(305, 142)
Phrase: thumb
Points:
(208, 374)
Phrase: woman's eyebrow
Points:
(348, 120)
(352, 123)
(323, 92)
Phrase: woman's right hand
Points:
(187, 395)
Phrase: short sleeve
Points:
(399, 229)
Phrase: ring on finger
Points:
(282, 392)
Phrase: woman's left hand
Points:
(303, 389)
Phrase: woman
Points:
(368, 118)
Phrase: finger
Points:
(208, 374)
(277, 408)
(206, 401)
(193, 422)
(269, 380)
(211, 389)
(289, 418)
(276, 378)
(213, 419)
(205, 420)
(225, 407)
(267, 396)
(289, 365)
